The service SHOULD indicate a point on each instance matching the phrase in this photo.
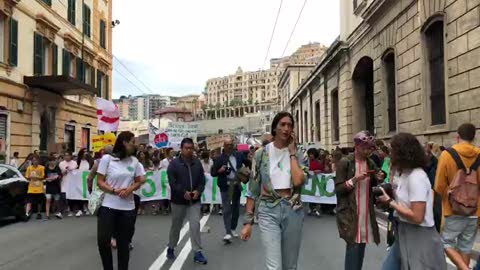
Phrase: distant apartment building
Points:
(138, 108)
(250, 91)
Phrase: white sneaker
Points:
(79, 213)
(234, 234)
(70, 214)
(227, 238)
(59, 215)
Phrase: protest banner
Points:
(177, 131)
(100, 141)
(216, 141)
(318, 188)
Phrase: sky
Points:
(173, 47)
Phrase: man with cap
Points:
(356, 220)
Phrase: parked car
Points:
(13, 191)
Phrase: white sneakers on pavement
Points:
(227, 238)
(235, 234)
(79, 213)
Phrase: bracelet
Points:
(294, 156)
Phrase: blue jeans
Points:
(281, 233)
(354, 256)
(392, 261)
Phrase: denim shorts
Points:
(56, 197)
(459, 232)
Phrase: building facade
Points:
(246, 92)
(55, 56)
(397, 66)
(141, 107)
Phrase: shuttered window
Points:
(80, 69)
(38, 55)
(3, 126)
(66, 63)
(335, 117)
(13, 48)
(54, 59)
(103, 37)
(92, 76)
(107, 94)
(86, 20)
(99, 83)
(389, 65)
(71, 11)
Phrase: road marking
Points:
(162, 258)
(182, 257)
(472, 262)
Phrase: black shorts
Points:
(35, 198)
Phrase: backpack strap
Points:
(475, 164)
(457, 159)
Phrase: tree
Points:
(204, 107)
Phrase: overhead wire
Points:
(273, 33)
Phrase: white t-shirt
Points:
(232, 164)
(72, 165)
(14, 162)
(414, 186)
(207, 166)
(84, 165)
(164, 164)
(280, 174)
(119, 174)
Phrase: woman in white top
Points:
(417, 245)
(118, 175)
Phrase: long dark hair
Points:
(277, 119)
(407, 152)
(88, 158)
(119, 149)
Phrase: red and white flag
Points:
(108, 115)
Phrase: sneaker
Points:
(170, 254)
(27, 217)
(79, 213)
(39, 216)
(316, 213)
(234, 234)
(46, 218)
(59, 215)
(220, 212)
(70, 214)
(199, 258)
(227, 239)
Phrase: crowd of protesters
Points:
(420, 186)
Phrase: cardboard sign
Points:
(100, 141)
(214, 142)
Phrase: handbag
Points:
(96, 198)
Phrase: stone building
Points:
(397, 66)
(251, 91)
(55, 56)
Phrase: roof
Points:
(61, 84)
(171, 110)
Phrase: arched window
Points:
(433, 36)
(390, 85)
(335, 117)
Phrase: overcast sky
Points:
(174, 47)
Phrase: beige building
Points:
(398, 66)
(252, 91)
(47, 91)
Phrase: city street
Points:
(71, 244)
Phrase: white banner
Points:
(319, 188)
(177, 131)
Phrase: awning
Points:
(60, 84)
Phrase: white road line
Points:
(182, 257)
(162, 258)
(472, 262)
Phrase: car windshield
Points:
(7, 173)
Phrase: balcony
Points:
(60, 84)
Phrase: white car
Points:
(13, 190)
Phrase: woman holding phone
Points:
(278, 178)
(118, 175)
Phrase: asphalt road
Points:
(70, 244)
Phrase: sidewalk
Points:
(382, 216)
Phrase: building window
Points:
(103, 36)
(85, 142)
(86, 20)
(335, 117)
(13, 48)
(389, 67)
(434, 45)
(69, 137)
(305, 125)
(48, 2)
(38, 55)
(66, 63)
(317, 121)
(71, 11)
